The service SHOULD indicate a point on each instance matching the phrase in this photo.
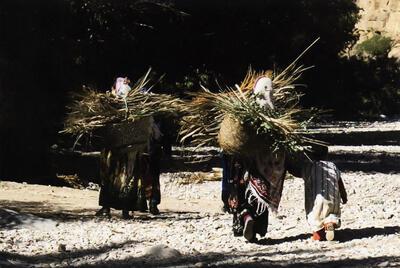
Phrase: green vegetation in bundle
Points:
(233, 118)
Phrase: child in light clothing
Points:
(323, 190)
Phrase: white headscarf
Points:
(263, 91)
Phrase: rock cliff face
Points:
(380, 16)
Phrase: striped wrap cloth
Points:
(322, 195)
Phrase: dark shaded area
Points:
(85, 166)
(311, 262)
(345, 235)
(269, 241)
(50, 258)
(341, 235)
(366, 137)
(51, 47)
(346, 161)
(375, 166)
(210, 258)
(253, 259)
(43, 210)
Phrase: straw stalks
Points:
(91, 110)
(278, 128)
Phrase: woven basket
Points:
(235, 138)
(127, 133)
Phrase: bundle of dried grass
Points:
(234, 120)
(91, 110)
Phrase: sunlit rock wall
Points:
(380, 16)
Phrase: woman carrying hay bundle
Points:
(255, 188)
(129, 141)
(130, 174)
(257, 172)
(257, 127)
(129, 170)
(254, 137)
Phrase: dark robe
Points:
(119, 175)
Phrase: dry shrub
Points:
(199, 177)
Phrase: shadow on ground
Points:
(93, 257)
(341, 235)
(270, 241)
(303, 258)
(41, 210)
(348, 234)
(15, 213)
(7, 258)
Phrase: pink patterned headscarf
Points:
(121, 87)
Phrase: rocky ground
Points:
(44, 226)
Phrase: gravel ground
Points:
(359, 126)
(191, 230)
(388, 149)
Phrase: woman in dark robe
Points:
(130, 175)
(119, 180)
(126, 165)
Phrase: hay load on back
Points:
(242, 122)
(260, 114)
(123, 121)
(118, 120)
(258, 125)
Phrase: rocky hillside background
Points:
(383, 17)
